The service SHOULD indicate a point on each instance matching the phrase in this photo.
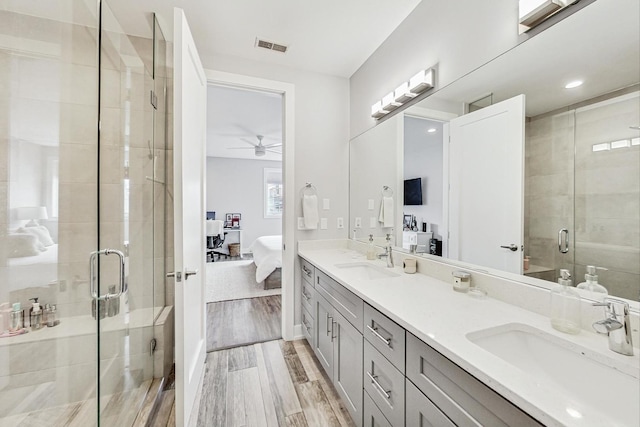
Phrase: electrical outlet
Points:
(300, 223)
(323, 224)
(370, 205)
(358, 222)
(340, 223)
(325, 204)
(373, 222)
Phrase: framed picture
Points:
(236, 216)
(228, 217)
(406, 222)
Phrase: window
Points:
(273, 192)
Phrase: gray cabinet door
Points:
(322, 340)
(373, 417)
(421, 412)
(347, 370)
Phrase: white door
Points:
(190, 103)
(486, 203)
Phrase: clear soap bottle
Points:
(565, 305)
(595, 289)
(371, 249)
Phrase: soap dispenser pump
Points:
(36, 316)
(596, 290)
(371, 249)
(565, 305)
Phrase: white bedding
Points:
(33, 271)
(267, 255)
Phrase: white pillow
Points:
(23, 244)
(41, 232)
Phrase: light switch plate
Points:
(373, 222)
(325, 204)
(323, 223)
(358, 222)
(370, 205)
(340, 223)
(300, 223)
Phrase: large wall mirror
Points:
(513, 165)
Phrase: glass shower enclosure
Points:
(82, 212)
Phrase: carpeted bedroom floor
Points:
(234, 280)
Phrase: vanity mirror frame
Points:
(418, 110)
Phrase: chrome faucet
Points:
(387, 253)
(616, 325)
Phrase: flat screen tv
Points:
(413, 191)
(211, 215)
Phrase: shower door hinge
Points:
(154, 100)
(152, 346)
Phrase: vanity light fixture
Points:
(420, 82)
(623, 143)
(635, 141)
(605, 146)
(389, 102)
(573, 84)
(377, 111)
(534, 12)
(431, 130)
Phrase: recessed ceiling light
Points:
(431, 130)
(573, 84)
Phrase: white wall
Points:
(423, 159)
(456, 36)
(237, 186)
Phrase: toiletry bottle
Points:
(15, 323)
(371, 249)
(565, 305)
(45, 314)
(36, 316)
(52, 317)
(595, 289)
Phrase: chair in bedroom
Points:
(215, 240)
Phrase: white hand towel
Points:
(310, 211)
(386, 212)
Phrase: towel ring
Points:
(309, 189)
(387, 191)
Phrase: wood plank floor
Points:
(245, 321)
(274, 383)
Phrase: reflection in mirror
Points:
(581, 166)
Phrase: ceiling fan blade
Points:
(273, 151)
(248, 142)
(240, 148)
(273, 145)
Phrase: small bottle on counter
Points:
(36, 316)
(371, 249)
(52, 317)
(565, 305)
(15, 320)
(461, 281)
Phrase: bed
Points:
(267, 256)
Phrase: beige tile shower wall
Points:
(548, 189)
(608, 195)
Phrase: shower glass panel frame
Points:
(82, 169)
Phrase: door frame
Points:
(287, 90)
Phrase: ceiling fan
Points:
(260, 150)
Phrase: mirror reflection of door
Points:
(486, 171)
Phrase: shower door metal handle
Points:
(563, 243)
(93, 280)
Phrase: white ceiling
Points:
(330, 36)
(598, 44)
(235, 117)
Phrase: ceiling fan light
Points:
(260, 151)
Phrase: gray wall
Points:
(237, 186)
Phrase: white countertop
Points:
(432, 311)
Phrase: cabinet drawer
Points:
(307, 296)
(343, 300)
(308, 271)
(307, 326)
(372, 415)
(459, 395)
(421, 412)
(384, 384)
(385, 335)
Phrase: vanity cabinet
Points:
(465, 400)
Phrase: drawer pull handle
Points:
(329, 330)
(304, 322)
(374, 381)
(375, 332)
(304, 294)
(306, 271)
(333, 322)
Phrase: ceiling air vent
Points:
(271, 46)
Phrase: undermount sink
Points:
(588, 378)
(366, 271)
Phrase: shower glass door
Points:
(131, 224)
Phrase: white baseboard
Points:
(297, 332)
